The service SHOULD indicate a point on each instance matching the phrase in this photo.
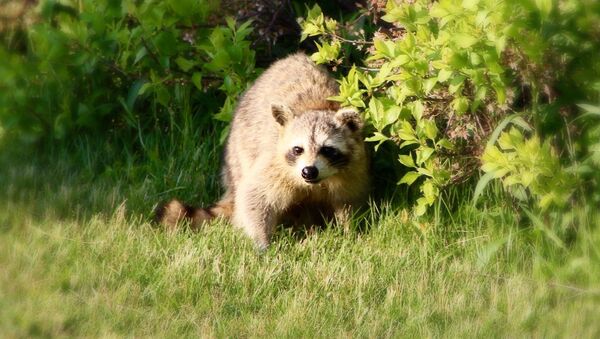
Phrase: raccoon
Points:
(291, 155)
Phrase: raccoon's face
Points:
(317, 145)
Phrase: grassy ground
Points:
(78, 257)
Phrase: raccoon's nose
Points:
(310, 172)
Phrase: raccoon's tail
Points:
(174, 212)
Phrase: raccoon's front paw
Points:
(261, 247)
(260, 235)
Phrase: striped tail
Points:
(171, 214)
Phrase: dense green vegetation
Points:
(486, 113)
(442, 75)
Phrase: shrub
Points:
(98, 65)
(436, 77)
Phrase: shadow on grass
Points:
(92, 177)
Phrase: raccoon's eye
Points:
(297, 150)
(329, 151)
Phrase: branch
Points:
(354, 42)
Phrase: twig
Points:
(369, 69)
(354, 42)
(110, 64)
(436, 99)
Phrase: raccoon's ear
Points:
(350, 118)
(281, 113)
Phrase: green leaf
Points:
(184, 8)
(393, 12)
(162, 95)
(464, 40)
(406, 160)
(357, 102)
(142, 52)
(516, 118)
(166, 43)
(197, 80)
(244, 30)
(519, 192)
(423, 153)
(408, 143)
(406, 131)
(431, 130)
(475, 59)
(417, 110)
(438, 11)
(545, 7)
(230, 23)
(224, 134)
(226, 112)
(392, 113)
(591, 109)
(481, 185)
(460, 105)
(385, 47)
(421, 207)
(430, 192)
(331, 25)
(184, 63)
(425, 171)
(314, 12)
(428, 84)
(377, 137)
(409, 178)
(326, 52)
(145, 88)
(445, 143)
(399, 60)
(220, 61)
(456, 83)
(134, 92)
(444, 75)
(309, 29)
(500, 89)
(470, 4)
(506, 142)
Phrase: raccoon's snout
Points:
(310, 173)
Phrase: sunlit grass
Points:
(78, 257)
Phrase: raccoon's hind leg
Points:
(173, 212)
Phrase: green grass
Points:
(78, 257)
